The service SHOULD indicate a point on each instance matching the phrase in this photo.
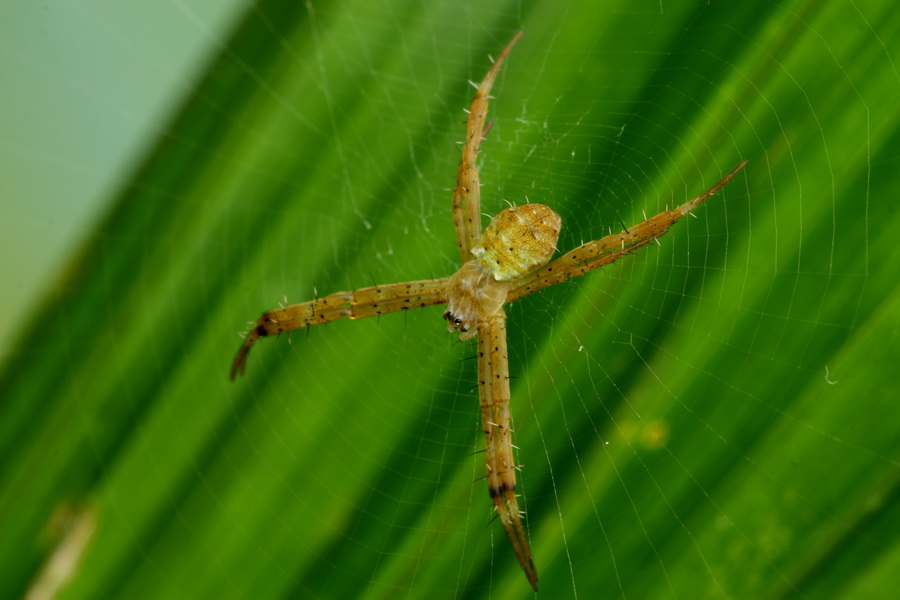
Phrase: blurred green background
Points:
(715, 417)
(89, 85)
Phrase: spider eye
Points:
(457, 321)
(464, 329)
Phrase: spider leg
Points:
(598, 253)
(364, 302)
(466, 194)
(493, 379)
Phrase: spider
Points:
(506, 262)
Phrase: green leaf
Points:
(714, 417)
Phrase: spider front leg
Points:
(598, 253)
(467, 193)
(364, 302)
(493, 385)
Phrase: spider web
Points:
(711, 417)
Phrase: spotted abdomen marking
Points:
(517, 241)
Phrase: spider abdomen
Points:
(518, 240)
